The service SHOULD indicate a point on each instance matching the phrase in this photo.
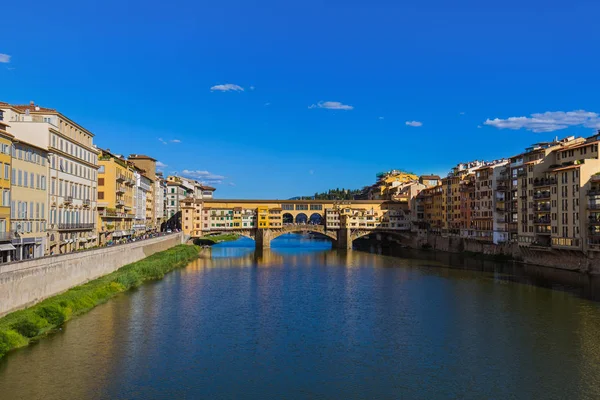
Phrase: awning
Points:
(6, 247)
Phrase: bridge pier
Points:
(263, 239)
(344, 239)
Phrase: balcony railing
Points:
(594, 206)
(75, 226)
(120, 189)
(543, 195)
(594, 220)
(87, 202)
(4, 236)
(120, 203)
(593, 192)
(121, 178)
(544, 182)
(542, 221)
(68, 199)
(541, 208)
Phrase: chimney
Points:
(31, 102)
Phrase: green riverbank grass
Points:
(210, 240)
(19, 328)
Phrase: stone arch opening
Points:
(316, 219)
(288, 218)
(301, 218)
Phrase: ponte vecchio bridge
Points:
(264, 220)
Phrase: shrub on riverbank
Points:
(20, 327)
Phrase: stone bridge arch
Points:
(359, 233)
(295, 228)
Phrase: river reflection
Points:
(303, 321)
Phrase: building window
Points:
(100, 195)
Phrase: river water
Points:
(304, 321)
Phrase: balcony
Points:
(501, 187)
(540, 208)
(593, 192)
(120, 203)
(542, 221)
(75, 227)
(121, 178)
(6, 236)
(87, 203)
(541, 196)
(594, 219)
(120, 189)
(521, 174)
(68, 200)
(594, 206)
(542, 230)
(544, 182)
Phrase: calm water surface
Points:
(303, 321)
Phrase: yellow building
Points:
(30, 200)
(115, 197)
(263, 216)
(5, 167)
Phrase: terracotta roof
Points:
(430, 177)
(207, 187)
(140, 156)
(577, 146)
(567, 167)
(33, 108)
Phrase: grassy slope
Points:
(20, 327)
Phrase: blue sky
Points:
(330, 88)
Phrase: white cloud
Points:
(161, 165)
(381, 118)
(228, 87)
(4, 58)
(203, 176)
(479, 126)
(175, 141)
(331, 105)
(462, 113)
(414, 124)
(267, 104)
(162, 141)
(549, 121)
(311, 172)
(231, 184)
(251, 87)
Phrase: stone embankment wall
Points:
(554, 258)
(27, 282)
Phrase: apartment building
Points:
(72, 175)
(160, 201)
(29, 205)
(142, 207)
(147, 167)
(488, 216)
(116, 191)
(6, 235)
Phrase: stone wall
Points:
(553, 258)
(27, 282)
